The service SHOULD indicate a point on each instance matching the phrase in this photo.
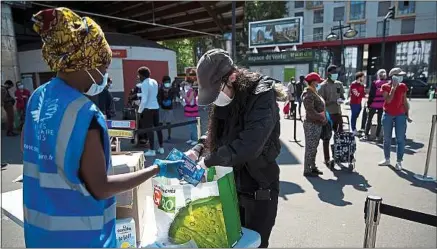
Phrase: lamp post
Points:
(350, 33)
(390, 15)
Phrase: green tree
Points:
(257, 11)
(184, 52)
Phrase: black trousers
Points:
(149, 119)
(372, 112)
(337, 126)
(259, 216)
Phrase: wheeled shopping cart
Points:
(343, 149)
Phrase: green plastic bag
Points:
(207, 215)
(17, 120)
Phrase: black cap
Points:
(332, 68)
(211, 68)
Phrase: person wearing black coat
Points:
(243, 133)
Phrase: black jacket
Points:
(105, 102)
(250, 142)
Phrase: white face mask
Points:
(334, 76)
(97, 88)
(397, 79)
(167, 85)
(222, 99)
(186, 88)
(20, 87)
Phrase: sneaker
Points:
(355, 132)
(150, 153)
(364, 138)
(168, 140)
(193, 143)
(317, 171)
(189, 141)
(398, 166)
(310, 174)
(161, 151)
(384, 163)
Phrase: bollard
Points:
(425, 176)
(372, 215)
(199, 128)
(117, 145)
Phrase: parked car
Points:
(417, 88)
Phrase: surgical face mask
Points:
(167, 85)
(20, 87)
(317, 87)
(97, 88)
(397, 79)
(334, 76)
(222, 99)
(187, 87)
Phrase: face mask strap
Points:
(91, 76)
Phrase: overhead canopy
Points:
(211, 17)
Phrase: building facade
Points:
(410, 43)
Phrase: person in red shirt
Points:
(395, 114)
(22, 96)
(356, 95)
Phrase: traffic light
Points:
(391, 13)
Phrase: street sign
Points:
(121, 133)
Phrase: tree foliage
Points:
(184, 52)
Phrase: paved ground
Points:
(324, 212)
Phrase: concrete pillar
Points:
(9, 62)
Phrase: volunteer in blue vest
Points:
(68, 195)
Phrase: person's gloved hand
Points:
(169, 169)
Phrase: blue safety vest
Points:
(58, 209)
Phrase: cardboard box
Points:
(131, 204)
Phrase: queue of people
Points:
(14, 118)
(387, 98)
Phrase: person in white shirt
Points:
(149, 109)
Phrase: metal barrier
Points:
(373, 209)
(127, 129)
(425, 176)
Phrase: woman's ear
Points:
(233, 77)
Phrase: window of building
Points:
(357, 10)
(351, 63)
(361, 29)
(339, 14)
(298, 4)
(298, 14)
(314, 4)
(379, 26)
(407, 26)
(318, 16)
(405, 8)
(414, 57)
(383, 7)
(318, 34)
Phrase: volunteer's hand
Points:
(192, 155)
(169, 169)
(201, 164)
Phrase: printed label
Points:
(120, 133)
(163, 202)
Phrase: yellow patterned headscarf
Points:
(71, 43)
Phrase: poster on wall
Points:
(276, 32)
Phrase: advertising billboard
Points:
(276, 32)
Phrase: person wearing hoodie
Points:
(375, 104)
(166, 96)
(243, 133)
